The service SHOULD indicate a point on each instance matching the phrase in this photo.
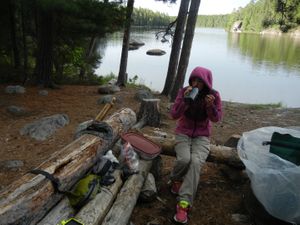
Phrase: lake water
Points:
(247, 68)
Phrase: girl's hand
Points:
(209, 99)
(187, 91)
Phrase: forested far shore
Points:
(56, 42)
(257, 16)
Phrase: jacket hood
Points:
(204, 74)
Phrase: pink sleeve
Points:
(215, 111)
(179, 106)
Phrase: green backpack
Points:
(285, 146)
(84, 190)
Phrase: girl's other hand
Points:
(209, 99)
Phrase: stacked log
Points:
(27, 200)
(218, 153)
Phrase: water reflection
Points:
(247, 68)
(268, 50)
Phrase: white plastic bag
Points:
(274, 181)
(129, 157)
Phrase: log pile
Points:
(27, 200)
(33, 200)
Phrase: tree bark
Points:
(25, 49)
(88, 54)
(28, 199)
(176, 47)
(120, 212)
(13, 27)
(44, 61)
(186, 47)
(122, 78)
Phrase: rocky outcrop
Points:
(155, 52)
(237, 26)
(134, 44)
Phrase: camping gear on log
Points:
(129, 159)
(84, 190)
(97, 127)
(68, 165)
(146, 148)
(274, 180)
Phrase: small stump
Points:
(149, 112)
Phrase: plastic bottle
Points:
(131, 158)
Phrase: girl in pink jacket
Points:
(194, 117)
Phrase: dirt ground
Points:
(218, 197)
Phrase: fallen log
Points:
(28, 199)
(95, 211)
(62, 211)
(217, 154)
(120, 212)
(92, 213)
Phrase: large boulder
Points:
(157, 52)
(136, 43)
(16, 110)
(45, 127)
(143, 94)
(108, 99)
(15, 89)
(108, 89)
(237, 26)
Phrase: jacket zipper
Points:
(195, 123)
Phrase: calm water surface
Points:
(247, 68)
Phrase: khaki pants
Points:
(191, 154)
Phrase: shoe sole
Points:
(180, 222)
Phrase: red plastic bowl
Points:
(146, 148)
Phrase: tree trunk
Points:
(88, 54)
(28, 199)
(44, 61)
(186, 47)
(13, 27)
(122, 78)
(176, 47)
(120, 212)
(25, 49)
(149, 112)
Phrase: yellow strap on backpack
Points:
(71, 221)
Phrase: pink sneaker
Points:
(181, 215)
(175, 187)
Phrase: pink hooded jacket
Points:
(195, 119)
